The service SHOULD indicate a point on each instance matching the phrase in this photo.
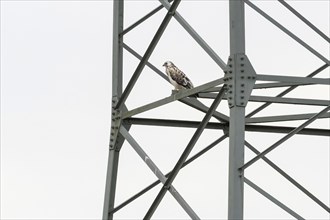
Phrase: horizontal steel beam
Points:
(179, 95)
(283, 118)
(280, 100)
(277, 85)
(271, 198)
(286, 91)
(293, 79)
(224, 126)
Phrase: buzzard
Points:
(178, 79)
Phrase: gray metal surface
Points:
(281, 27)
(117, 78)
(271, 198)
(185, 155)
(158, 173)
(289, 178)
(282, 140)
(237, 110)
(239, 81)
(148, 53)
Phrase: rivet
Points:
(230, 77)
(111, 139)
(242, 91)
(230, 59)
(242, 77)
(242, 97)
(253, 77)
(230, 71)
(230, 86)
(225, 71)
(242, 103)
(242, 64)
(242, 71)
(242, 85)
(230, 98)
(249, 77)
(242, 58)
(230, 65)
(230, 92)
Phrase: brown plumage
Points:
(178, 79)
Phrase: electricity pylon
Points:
(235, 86)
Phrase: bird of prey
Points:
(178, 79)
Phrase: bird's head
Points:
(168, 64)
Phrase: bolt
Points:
(242, 58)
(242, 71)
(242, 97)
(242, 64)
(225, 71)
(230, 65)
(242, 103)
(249, 77)
(242, 91)
(230, 71)
(242, 77)
(230, 77)
(111, 139)
(230, 98)
(230, 86)
(230, 59)
(242, 84)
(253, 77)
(230, 92)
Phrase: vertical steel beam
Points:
(237, 113)
(117, 76)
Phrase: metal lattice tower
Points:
(235, 86)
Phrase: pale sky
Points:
(56, 62)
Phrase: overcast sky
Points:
(56, 59)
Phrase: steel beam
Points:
(295, 12)
(176, 96)
(271, 198)
(152, 185)
(294, 79)
(282, 140)
(184, 155)
(196, 37)
(141, 20)
(195, 103)
(286, 91)
(117, 79)
(224, 126)
(280, 100)
(134, 53)
(289, 178)
(237, 111)
(281, 27)
(148, 53)
(284, 118)
(143, 155)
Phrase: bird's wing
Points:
(180, 78)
